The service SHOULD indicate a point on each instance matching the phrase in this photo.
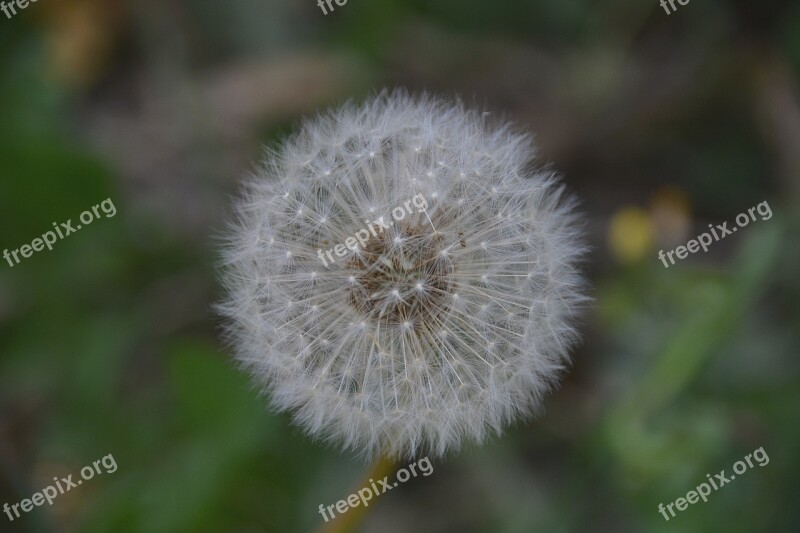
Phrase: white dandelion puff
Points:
(444, 328)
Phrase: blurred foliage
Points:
(108, 343)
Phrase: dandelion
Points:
(445, 326)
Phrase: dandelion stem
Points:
(349, 521)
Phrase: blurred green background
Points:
(661, 123)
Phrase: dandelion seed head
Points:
(444, 328)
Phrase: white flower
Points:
(448, 325)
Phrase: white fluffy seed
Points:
(417, 341)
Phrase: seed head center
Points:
(403, 278)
